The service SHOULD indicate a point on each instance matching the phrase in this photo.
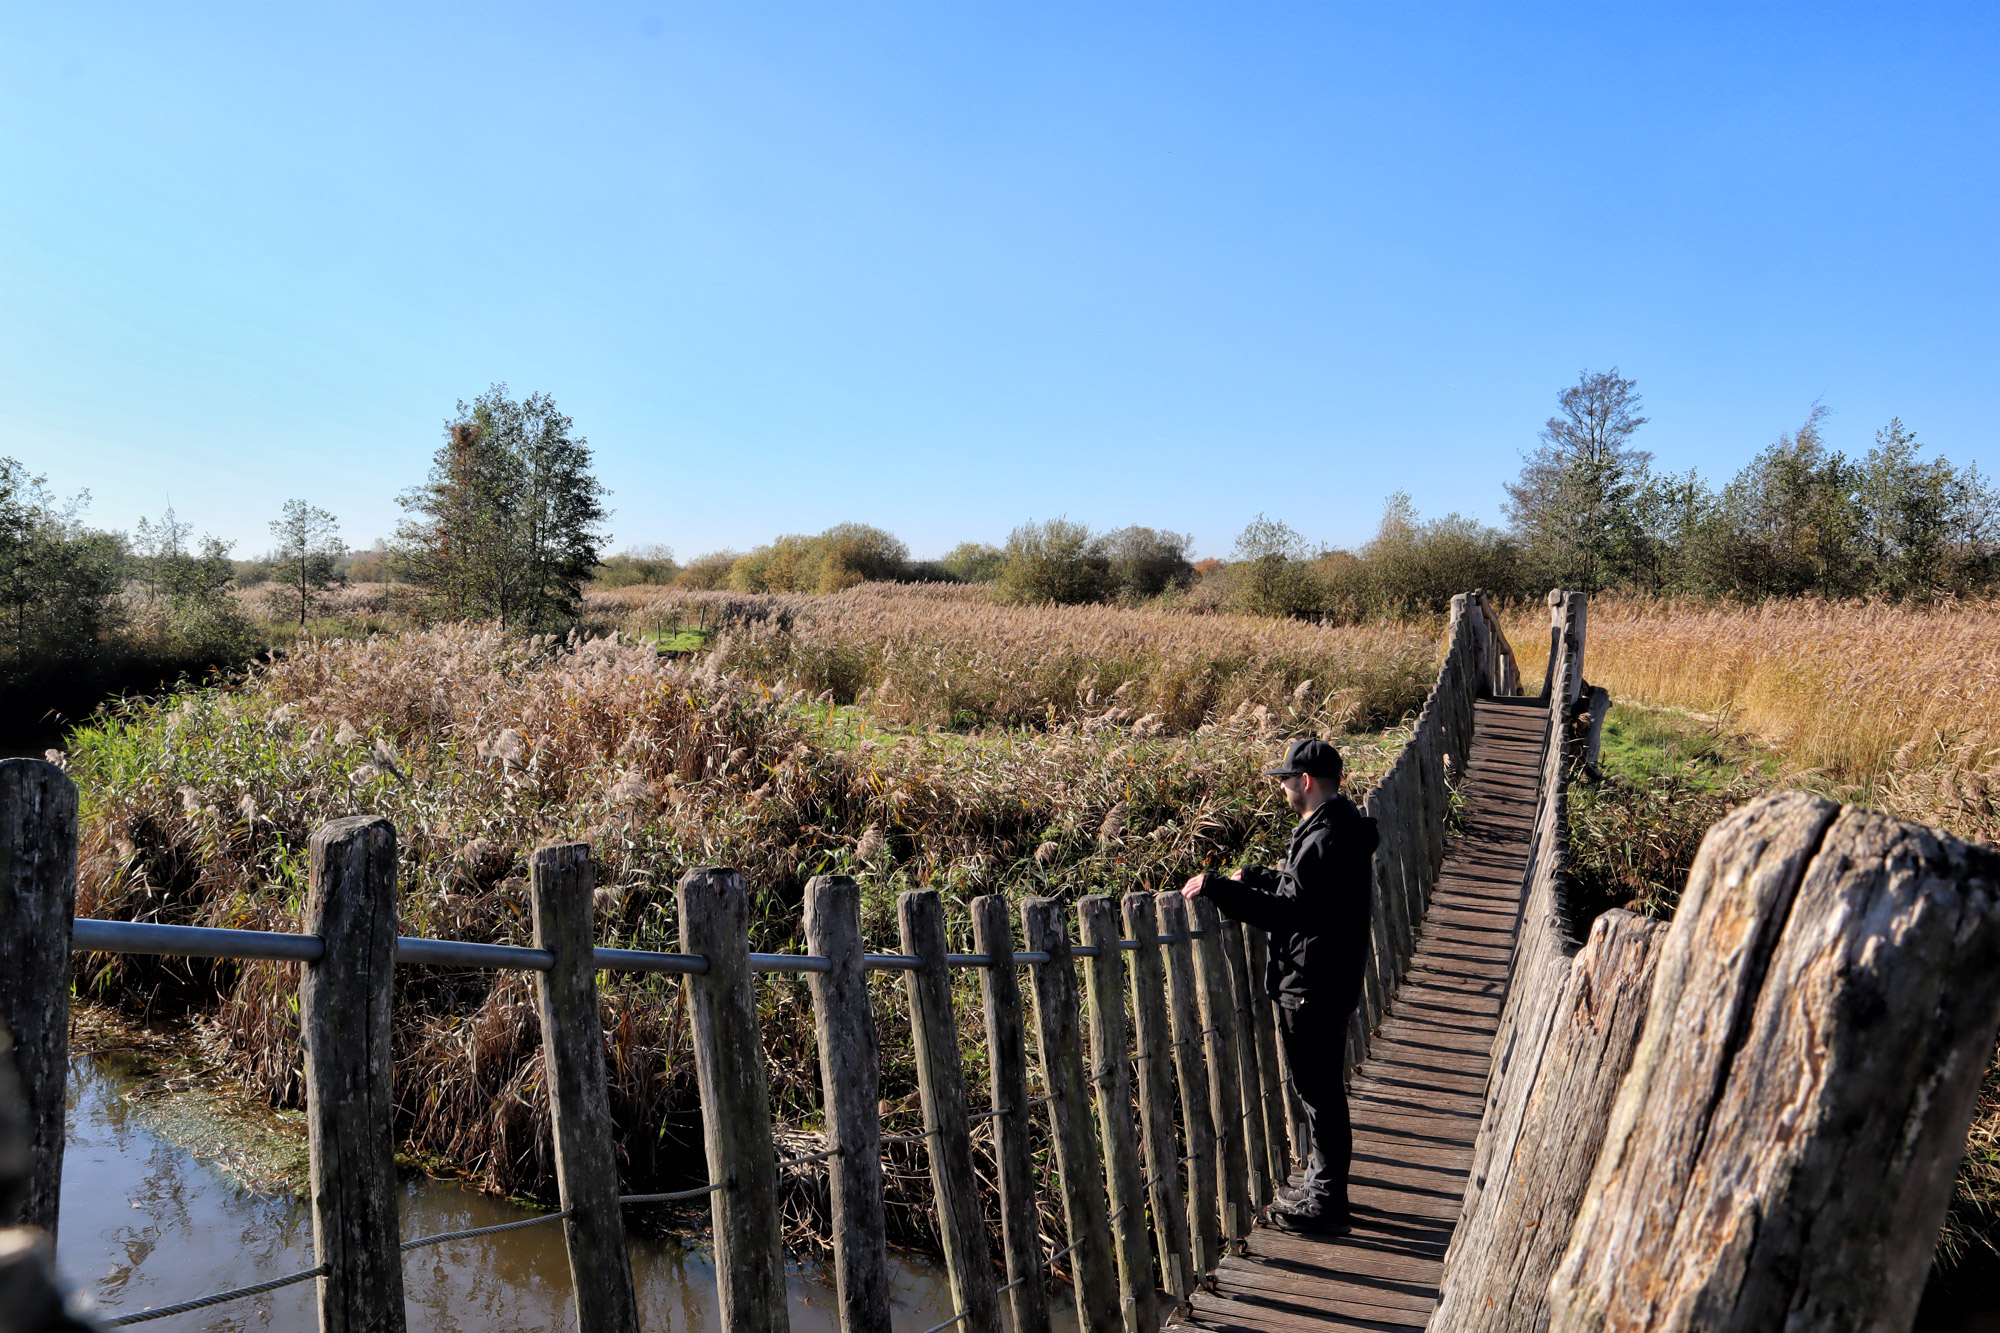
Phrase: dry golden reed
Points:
(1898, 706)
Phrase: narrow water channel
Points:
(145, 1223)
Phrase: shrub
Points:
(973, 562)
(1057, 561)
(707, 572)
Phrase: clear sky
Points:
(943, 267)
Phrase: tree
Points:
(303, 565)
(1145, 562)
(1574, 506)
(1057, 561)
(973, 562)
(508, 525)
(187, 611)
(1927, 526)
(1271, 576)
(59, 581)
(1793, 518)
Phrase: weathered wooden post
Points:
(344, 1021)
(1225, 1085)
(735, 1103)
(1007, 1063)
(941, 1087)
(1514, 1228)
(1256, 1152)
(1156, 1098)
(32, 1299)
(1197, 1120)
(1111, 1075)
(1059, 1029)
(1782, 1152)
(849, 1080)
(37, 905)
(562, 881)
(1277, 1133)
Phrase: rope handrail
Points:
(423, 1241)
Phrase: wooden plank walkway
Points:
(1416, 1099)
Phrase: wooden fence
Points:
(1750, 1119)
(1156, 1061)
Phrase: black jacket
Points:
(1315, 908)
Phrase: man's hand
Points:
(1192, 889)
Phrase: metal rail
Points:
(90, 935)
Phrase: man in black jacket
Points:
(1316, 910)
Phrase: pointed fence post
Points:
(344, 1021)
(1256, 1153)
(1156, 1098)
(849, 1080)
(1111, 1075)
(1007, 1061)
(1225, 1086)
(1277, 1136)
(37, 905)
(1060, 1030)
(1191, 1071)
(562, 882)
(941, 1086)
(735, 1103)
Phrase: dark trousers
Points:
(1315, 1038)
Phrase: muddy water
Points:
(147, 1223)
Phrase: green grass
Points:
(1664, 776)
(678, 641)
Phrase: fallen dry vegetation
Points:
(479, 746)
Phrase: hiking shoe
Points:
(1313, 1221)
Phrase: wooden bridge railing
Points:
(1749, 1119)
(1157, 1173)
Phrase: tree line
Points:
(509, 526)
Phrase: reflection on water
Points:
(146, 1224)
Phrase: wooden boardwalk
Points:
(1416, 1099)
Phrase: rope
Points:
(422, 1241)
(695, 1193)
(203, 1302)
(909, 1138)
(810, 1157)
(937, 1328)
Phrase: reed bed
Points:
(1897, 706)
(480, 745)
(949, 656)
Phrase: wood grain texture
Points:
(37, 905)
(941, 1088)
(1007, 1064)
(1156, 1097)
(1111, 1079)
(1513, 1232)
(1191, 1074)
(344, 1022)
(849, 1074)
(1256, 1149)
(1225, 1080)
(1059, 1029)
(1783, 1150)
(562, 881)
(1277, 1130)
(735, 1102)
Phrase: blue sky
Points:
(944, 267)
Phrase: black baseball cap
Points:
(1308, 755)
